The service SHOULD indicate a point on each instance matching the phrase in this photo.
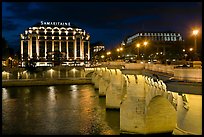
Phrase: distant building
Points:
(49, 42)
(155, 37)
(98, 47)
(157, 45)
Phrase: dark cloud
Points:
(112, 19)
(8, 25)
(98, 15)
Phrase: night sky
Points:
(105, 21)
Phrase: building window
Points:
(56, 46)
(63, 46)
(71, 49)
(42, 48)
(78, 47)
(25, 50)
(85, 50)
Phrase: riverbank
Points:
(47, 82)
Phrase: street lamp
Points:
(145, 43)
(108, 53)
(195, 33)
(191, 49)
(138, 46)
(118, 50)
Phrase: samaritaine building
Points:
(50, 43)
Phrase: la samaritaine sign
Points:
(55, 23)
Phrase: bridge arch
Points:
(160, 116)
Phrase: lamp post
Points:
(119, 50)
(108, 53)
(191, 49)
(138, 50)
(195, 33)
(102, 57)
(145, 43)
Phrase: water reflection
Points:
(51, 94)
(5, 75)
(4, 93)
(67, 109)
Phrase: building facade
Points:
(158, 45)
(49, 42)
(155, 36)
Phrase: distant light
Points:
(74, 70)
(195, 32)
(128, 55)
(102, 56)
(51, 70)
(138, 45)
(24, 72)
(184, 50)
(145, 43)
(4, 72)
(108, 53)
(174, 60)
(191, 49)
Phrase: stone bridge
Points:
(145, 105)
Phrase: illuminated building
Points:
(169, 44)
(98, 48)
(155, 37)
(49, 42)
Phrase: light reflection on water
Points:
(75, 109)
(4, 93)
(51, 73)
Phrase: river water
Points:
(67, 109)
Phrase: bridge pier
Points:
(104, 82)
(132, 109)
(140, 110)
(96, 77)
(113, 93)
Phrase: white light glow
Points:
(4, 93)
